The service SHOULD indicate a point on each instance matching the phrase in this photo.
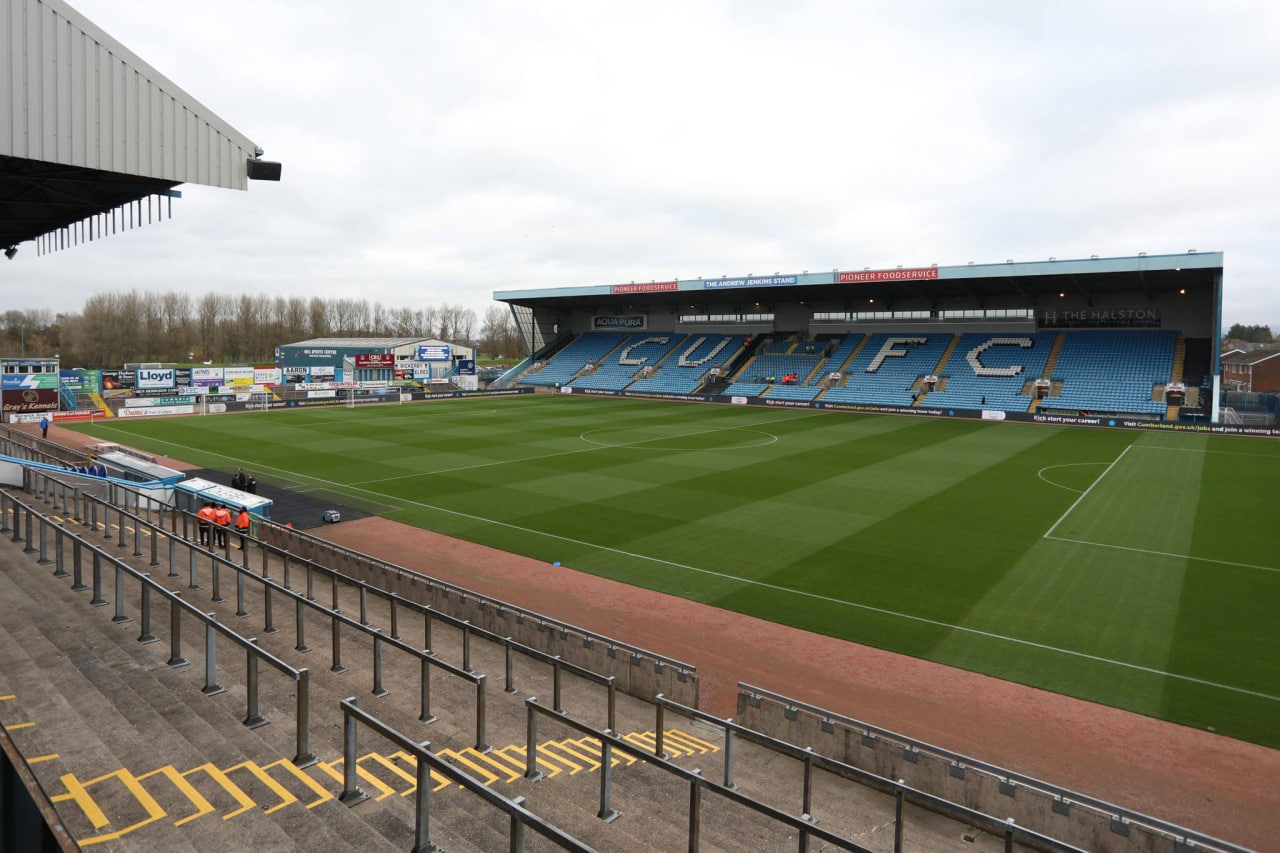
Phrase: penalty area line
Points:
(783, 589)
(1163, 554)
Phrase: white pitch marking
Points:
(1085, 493)
(1163, 554)
(1041, 475)
(751, 582)
(1199, 450)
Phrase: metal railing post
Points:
(300, 625)
(333, 583)
(337, 646)
(657, 732)
(425, 715)
(378, 689)
(531, 771)
(173, 557)
(606, 813)
(395, 624)
(897, 818)
(154, 561)
(728, 756)
(426, 629)
(311, 594)
(30, 549)
(466, 646)
(175, 635)
(240, 611)
(60, 567)
(612, 690)
(695, 813)
(97, 600)
(364, 602)
(137, 537)
(77, 573)
(555, 684)
(509, 685)
(284, 559)
(351, 793)
(252, 718)
(482, 742)
(216, 593)
(422, 804)
(44, 542)
(806, 798)
(211, 685)
(268, 617)
(191, 552)
(144, 632)
(119, 596)
(302, 721)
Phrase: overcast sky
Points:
(437, 151)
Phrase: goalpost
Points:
(351, 398)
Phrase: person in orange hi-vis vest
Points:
(242, 526)
(205, 521)
(222, 518)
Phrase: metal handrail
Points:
(426, 657)
(177, 605)
(426, 763)
(900, 790)
(35, 443)
(495, 602)
(1056, 791)
(804, 825)
(467, 628)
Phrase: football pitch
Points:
(1137, 569)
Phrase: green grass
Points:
(1135, 569)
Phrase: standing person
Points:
(251, 485)
(204, 519)
(222, 520)
(242, 526)
(237, 480)
(44, 427)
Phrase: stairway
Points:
(1053, 356)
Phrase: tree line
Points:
(118, 328)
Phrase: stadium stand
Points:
(992, 371)
(592, 346)
(1113, 371)
(886, 368)
(620, 367)
(683, 371)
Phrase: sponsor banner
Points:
(749, 281)
(37, 417)
(993, 415)
(217, 408)
(322, 373)
(266, 376)
(629, 321)
(787, 404)
(29, 381)
(318, 353)
(435, 352)
(182, 376)
(113, 380)
(1127, 317)
(81, 380)
(595, 392)
(293, 371)
(315, 395)
(887, 275)
(648, 395)
(206, 376)
(467, 366)
(651, 287)
(156, 411)
(139, 401)
(375, 359)
(565, 389)
(405, 398)
(422, 371)
(152, 378)
(192, 391)
(235, 376)
(738, 401)
(31, 400)
(467, 383)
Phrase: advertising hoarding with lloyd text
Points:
(155, 378)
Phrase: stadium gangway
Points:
(396, 602)
(804, 825)
(427, 762)
(13, 509)
(680, 666)
(901, 792)
(1057, 793)
(426, 657)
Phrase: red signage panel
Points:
(651, 287)
(887, 275)
(374, 359)
(30, 400)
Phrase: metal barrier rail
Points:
(17, 438)
(13, 507)
(1117, 813)
(804, 825)
(678, 665)
(556, 662)
(427, 761)
(427, 658)
(901, 792)
(28, 819)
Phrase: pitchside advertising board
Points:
(434, 352)
(237, 376)
(624, 322)
(28, 392)
(155, 378)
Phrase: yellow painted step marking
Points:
(322, 794)
(573, 748)
(502, 767)
(439, 780)
(458, 758)
(617, 755)
(398, 771)
(246, 802)
(13, 727)
(645, 740)
(153, 809)
(508, 762)
(8, 696)
(77, 793)
(550, 768)
(276, 788)
(203, 806)
(330, 767)
(547, 748)
(689, 740)
(40, 758)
